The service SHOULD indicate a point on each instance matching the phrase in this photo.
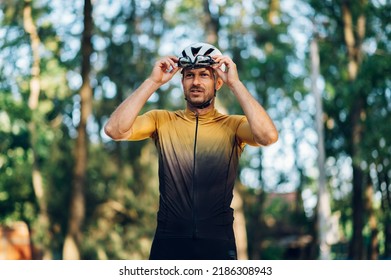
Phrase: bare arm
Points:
(120, 124)
(261, 126)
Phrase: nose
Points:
(196, 80)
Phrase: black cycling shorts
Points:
(192, 249)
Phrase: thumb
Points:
(221, 73)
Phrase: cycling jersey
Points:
(198, 162)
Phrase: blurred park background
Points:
(320, 68)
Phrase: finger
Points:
(173, 58)
(172, 68)
(221, 73)
(223, 60)
(162, 63)
(216, 56)
(173, 62)
(166, 65)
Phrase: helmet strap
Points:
(200, 106)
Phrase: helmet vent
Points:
(195, 51)
(209, 51)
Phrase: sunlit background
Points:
(68, 191)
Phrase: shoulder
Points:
(158, 113)
(162, 116)
(231, 119)
(238, 118)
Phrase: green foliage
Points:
(343, 96)
(122, 188)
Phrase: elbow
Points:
(115, 133)
(112, 132)
(273, 138)
(269, 139)
(109, 131)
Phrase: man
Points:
(198, 149)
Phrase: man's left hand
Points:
(230, 76)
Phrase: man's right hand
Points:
(121, 121)
(164, 69)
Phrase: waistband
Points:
(215, 228)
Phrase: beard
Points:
(198, 98)
(196, 95)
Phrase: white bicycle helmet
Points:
(206, 49)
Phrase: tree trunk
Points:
(73, 238)
(35, 88)
(357, 242)
(354, 36)
(386, 208)
(373, 252)
(353, 40)
(211, 24)
(323, 206)
(240, 225)
(387, 232)
(274, 12)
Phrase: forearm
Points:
(261, 125)
(119, 126)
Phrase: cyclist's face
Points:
(198, 84)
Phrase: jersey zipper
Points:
(194, 181)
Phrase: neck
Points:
(204, 105)
(201, 109)
(196, 107)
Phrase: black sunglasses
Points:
(200, 61)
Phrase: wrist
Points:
(150, 81)
(235, 84)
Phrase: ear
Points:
(219, 83)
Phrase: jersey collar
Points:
(204, 117)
